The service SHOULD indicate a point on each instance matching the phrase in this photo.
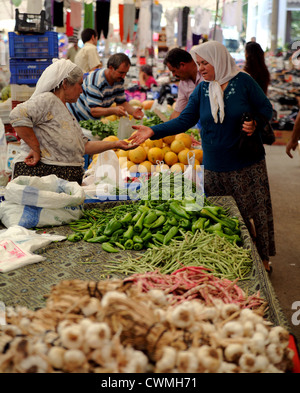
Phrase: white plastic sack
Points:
(17, 245)
(33, 201)
(105, 177)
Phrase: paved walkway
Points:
(284, 177)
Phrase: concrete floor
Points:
(284, 178)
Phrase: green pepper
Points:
(126, 219)
(128, 244)
(145, 231)
(199, 224)
(139, 225)
(159, 222)
(120, 245)
(150, 218)
(108, 247)
(147, 237)
(74, 237)
(171, 233)
(172, 220)
(88, 234)
(98, 239)
(129, 233)
(112, 226)
(136, 216)
(100, 229)
(179, 210)
(159, 237)
(214, 228)
(137, 246)
(225, 222)
(184, 223)
(232, 239)
(118, 233)
(137, 239)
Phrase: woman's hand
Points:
(249, 127)
(143, 133)
(292, 145)
(33, 158)
(123, 145)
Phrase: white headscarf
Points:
(53, 75)
(225, 67)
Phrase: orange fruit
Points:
(183, 156)
(127, 164)
(169, 139)
(162, 168)
(145, 167)
(185, 138)
(122, 160)
(155, 154)
(170, 158)
(122, 153)
(178, 167)
(137, 155)
(177, 146)
(149, 143)
(133, 168)
(158, 143)
(111, 138)
(198, 154)
(165, 149)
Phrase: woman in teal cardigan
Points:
(220, 102)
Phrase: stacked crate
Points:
(30, 55)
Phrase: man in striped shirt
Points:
(101, 88)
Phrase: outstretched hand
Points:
(123, 145)
(143, 133)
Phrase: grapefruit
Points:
(162, 168)
(122, 153)
(111, 138)
(183, 156)
(170, 158)
(169, 139)
(185, 138)
(137, 155)
(178, 167)
(155, 154)
(198, 154)
(145, 167)
(177, 146)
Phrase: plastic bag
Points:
(125, 127)
(17, 245)
(196, 176)
(104, 177)
(4, 176)
(32, 201)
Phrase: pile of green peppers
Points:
(154, 224)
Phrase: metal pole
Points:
(274, 25)
(216, 17)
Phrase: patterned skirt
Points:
(250, 189)
(70, 173)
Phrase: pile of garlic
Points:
(120, 329)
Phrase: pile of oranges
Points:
(171, 152)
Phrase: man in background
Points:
(183, 67)
(72, 51)
(88, 58)
(102, 88)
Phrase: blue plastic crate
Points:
(27, 72)
(33, 46)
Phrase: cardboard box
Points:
(282, 137)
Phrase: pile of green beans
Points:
(226, 260)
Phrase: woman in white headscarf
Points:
(220, 102)
(52, 141)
